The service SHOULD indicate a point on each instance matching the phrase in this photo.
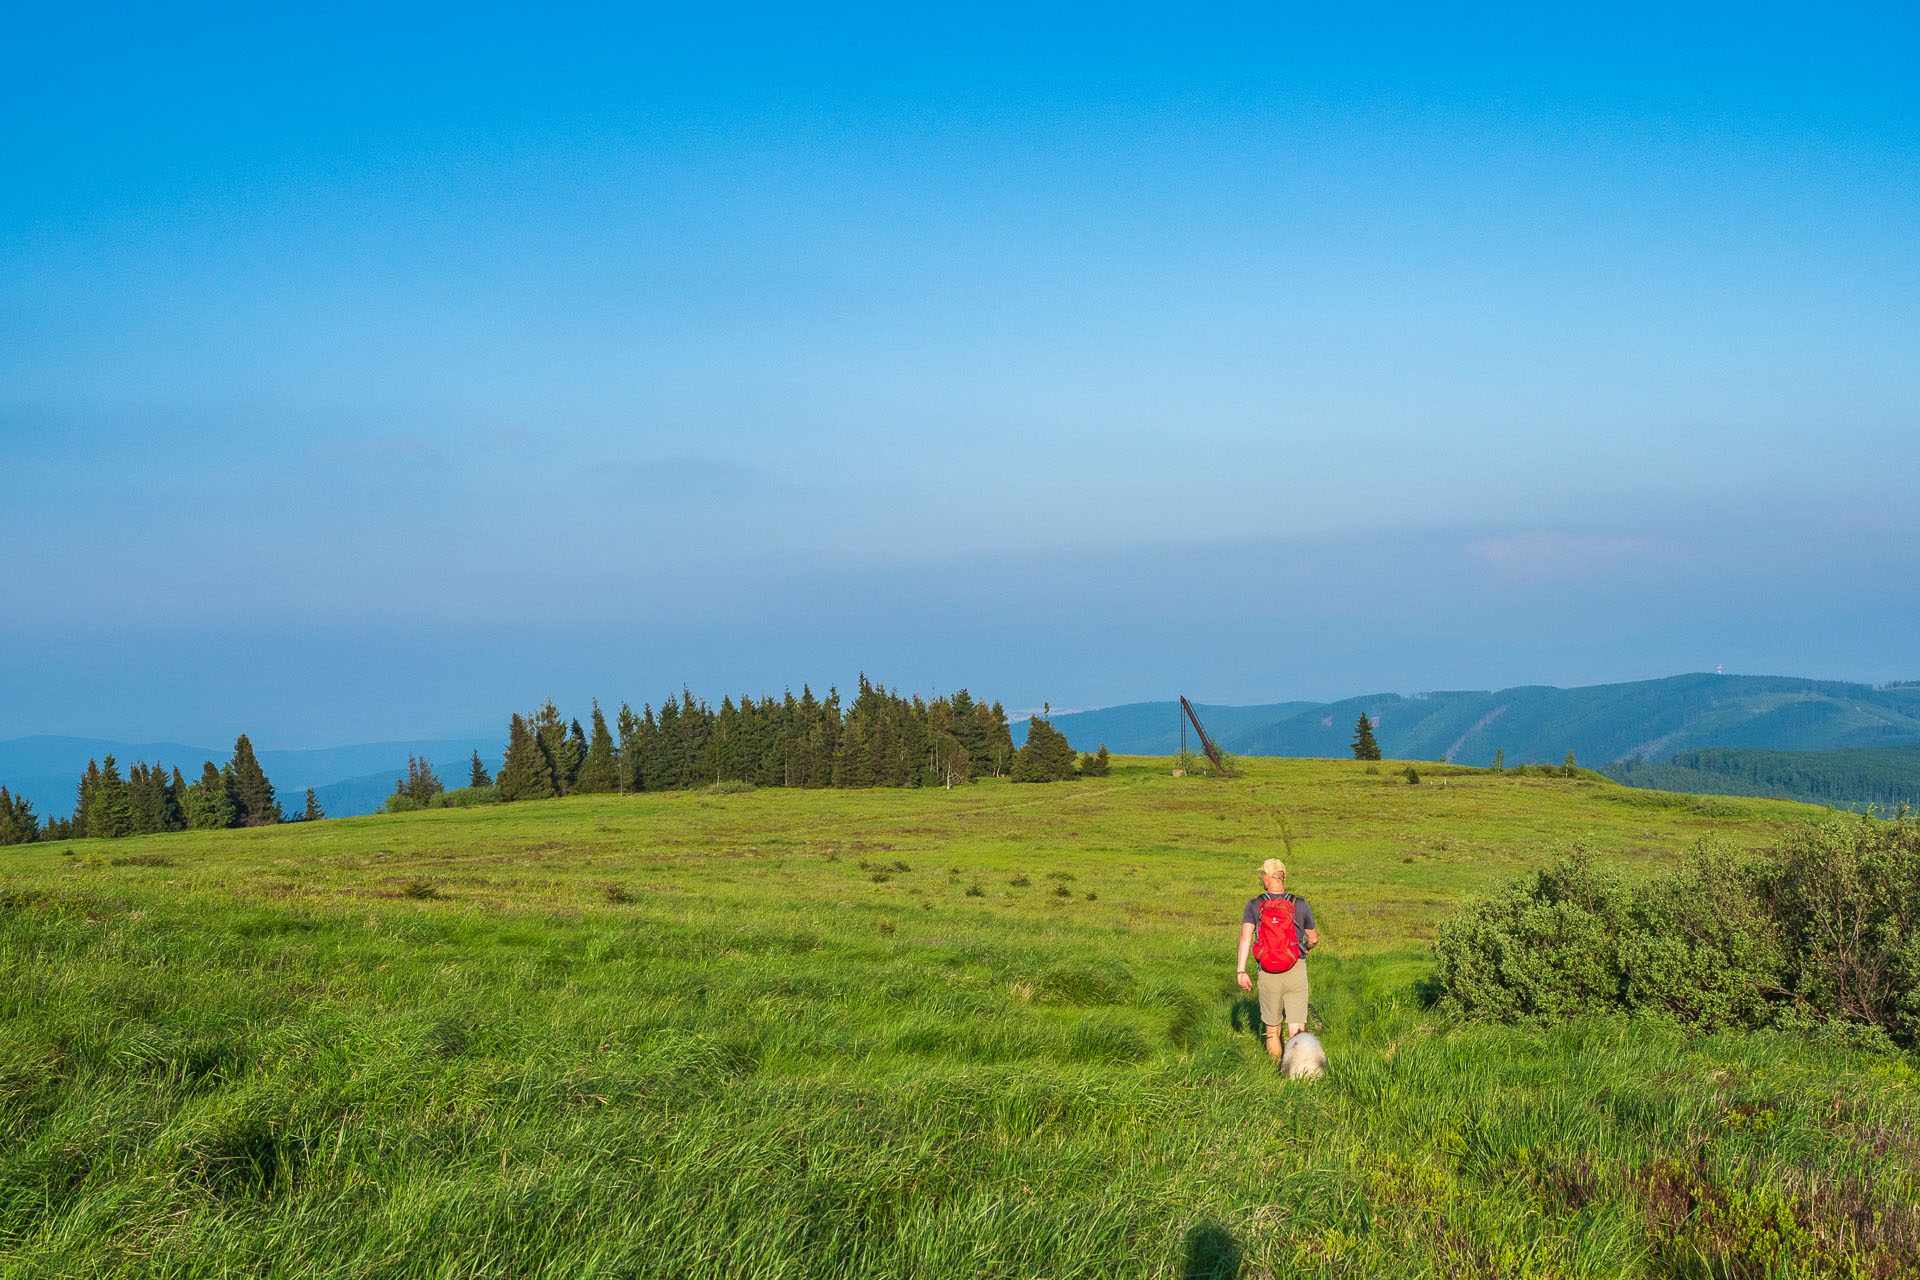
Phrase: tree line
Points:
(879, 739)
(150, 799)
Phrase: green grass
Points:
(849, 1034)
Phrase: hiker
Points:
(1277, 928)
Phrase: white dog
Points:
(1304, 1058)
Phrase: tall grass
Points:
(259, 1056)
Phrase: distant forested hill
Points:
(1851, 779)
(1598, 723)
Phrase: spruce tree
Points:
(313, 812)
(177, 801)
(970, 728)
(208, 806)
(83, 799)
(1046, 757)
(152, 800)
(1364, 745)
(477, 776)
(550, 738)
(599, 771)
(1097, 765)
(421, 784)
(951, 765)
(17, 823)
(575, 759)
(999, 735)
(526, 773)
(110, 809)
(143, 807)
(253, 802)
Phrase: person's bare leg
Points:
(1295, 1028)
(1274, 1047)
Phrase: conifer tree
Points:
(575, 759)
(1046, 757)
(83, 799)
(477, 776)
(17, 823)
(666, 748)
(421, 784)
(208, 806)
(526, 773)
(971, 729)
(177, 790)
(142, 812)
(1568, 767)
(313, 812)
(1364, 745)
(253, 802)
(598, 770)
(152, 801)
(110, 810)
(1097, 765)
(950, 759)
(550, 737)
(999, 736)
(628, 756)
(699, 765)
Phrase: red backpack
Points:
(1276, 943)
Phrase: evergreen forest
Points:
(879, 739)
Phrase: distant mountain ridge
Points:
(46, 768)
(1600, 724)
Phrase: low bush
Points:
(1847, 897)
(1822, 928)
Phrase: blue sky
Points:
(371, 372)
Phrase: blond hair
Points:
(1272, 867)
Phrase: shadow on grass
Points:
(1210, 1253)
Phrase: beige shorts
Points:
(1284, 991)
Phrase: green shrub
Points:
(400, 802)
(1846, 895)
(1542, 949)
(1701, 950)
(728, 787)
(1823, 928)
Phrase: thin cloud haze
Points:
(344, 356)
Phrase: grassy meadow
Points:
(986, 1032)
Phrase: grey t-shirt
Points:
(1302, 914)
